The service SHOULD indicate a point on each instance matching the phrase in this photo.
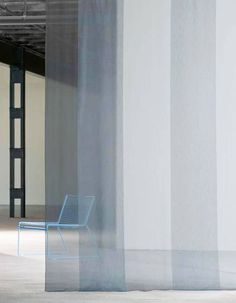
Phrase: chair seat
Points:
(33, 225)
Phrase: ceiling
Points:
(22, 23)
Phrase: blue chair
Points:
(74, 214)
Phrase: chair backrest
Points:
(76, 210)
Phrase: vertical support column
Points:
(17, 111)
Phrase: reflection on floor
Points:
(22, 278)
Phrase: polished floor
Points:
(22, 278)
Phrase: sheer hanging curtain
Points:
(83, 143)
(61, 138)
(140, 115)
(98, 156)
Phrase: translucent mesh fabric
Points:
(98, 148)
(82, 150)
(140, 115)
(61, 141)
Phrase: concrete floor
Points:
(22, 278)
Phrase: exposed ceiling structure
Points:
(23, 23)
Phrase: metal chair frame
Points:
(45, 226)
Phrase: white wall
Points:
(146, 114)
(35, 166)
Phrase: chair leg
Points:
(62, 240)
(91, 236)
(18, 243)
(46, 242)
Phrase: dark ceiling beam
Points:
(33, 62)
(22, 20)
(20, 32)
